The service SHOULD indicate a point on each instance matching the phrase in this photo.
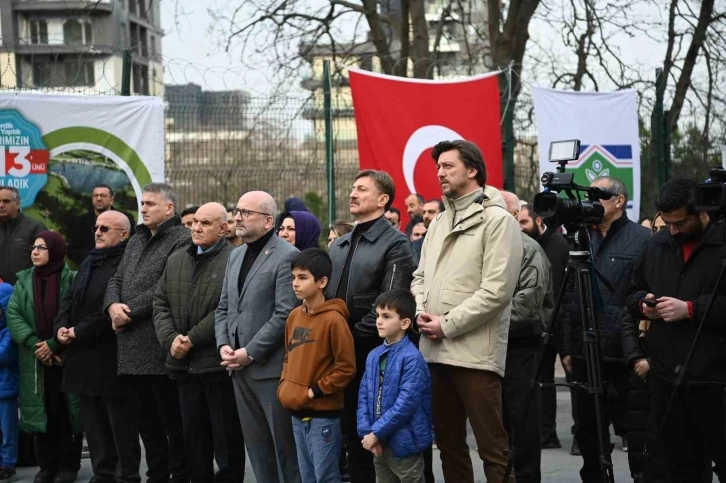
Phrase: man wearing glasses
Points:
(256, 299)
(81, 239)
(17, 233)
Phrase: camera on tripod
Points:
(711, 195)
(582, 205)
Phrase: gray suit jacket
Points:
(258, 313)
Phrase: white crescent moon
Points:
(422, 139)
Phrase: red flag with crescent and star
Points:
(399, 120)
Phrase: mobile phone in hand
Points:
(650, 302)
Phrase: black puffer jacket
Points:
(185, 302)
(614, 256)
(139, 352)
(662, 271)
(383, 260)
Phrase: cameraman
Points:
(678, 271)
(616, 242)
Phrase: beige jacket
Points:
(467, 275)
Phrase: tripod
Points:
(580, 266)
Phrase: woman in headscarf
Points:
(44, 409)
(300, 228)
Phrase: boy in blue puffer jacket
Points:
(9, 387)
(394, 403)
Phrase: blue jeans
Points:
(9, 428)
(318, 442)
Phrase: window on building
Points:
(152, 46)
(134, 38)
(134, 6)
(141, 79)
(45, 74)
(79, 73)
(142, 9)
(38, 32)
(73, 32)
(143, 42)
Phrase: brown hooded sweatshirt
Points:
(319, 355)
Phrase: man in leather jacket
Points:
(374, 258)
(616, 243)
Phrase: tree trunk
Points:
(421, 56)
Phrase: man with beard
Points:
(672, 284)
(81, 239)
(231, 233)
(558, 253)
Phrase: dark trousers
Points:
(549, 396)
(693, 435)
(615, 378)
(113, 440)
(360, 460)
(211, 428)
(58, 448)
(523, 429)
(154, 403)
(460, 393)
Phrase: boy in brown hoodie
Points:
(319, 364)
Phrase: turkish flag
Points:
(399, 120)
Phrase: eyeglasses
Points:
(40, 248)
(104, 229)
(246, 213)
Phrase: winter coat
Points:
(467, 275)
(532, 303)
(16, 237)
(383, 260)
(21, 322)
(134, 284)
(614, 258)
(405, 405)
(184, 303)
(89, 368)
(9, 376)
(662, 272)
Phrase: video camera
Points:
(711, 195)
(582, 205)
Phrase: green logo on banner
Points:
(596, 160)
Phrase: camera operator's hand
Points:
(650, 312)
(567, 364)
(641, 368)
(672, 310)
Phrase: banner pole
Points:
(126, 74)
(658, 126)
(329, 155)
(508, 135)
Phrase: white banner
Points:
(58, 147)
(606, 125)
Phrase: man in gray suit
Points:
(256, 299)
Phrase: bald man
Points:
(532, 307)
(90, 358)
(256, 299)
(184, 305)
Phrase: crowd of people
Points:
(212, 332)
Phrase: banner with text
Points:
(606, 125)
(56, 148)
(399, 120)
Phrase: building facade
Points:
(56, 44)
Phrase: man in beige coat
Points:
(464, 284)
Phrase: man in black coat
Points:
(672, 285)
(184, 305)
(17, 234)
(129, 305)
(616, 243)
(90, 357)
(375, 257)
(81, 239)
(558, 253)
